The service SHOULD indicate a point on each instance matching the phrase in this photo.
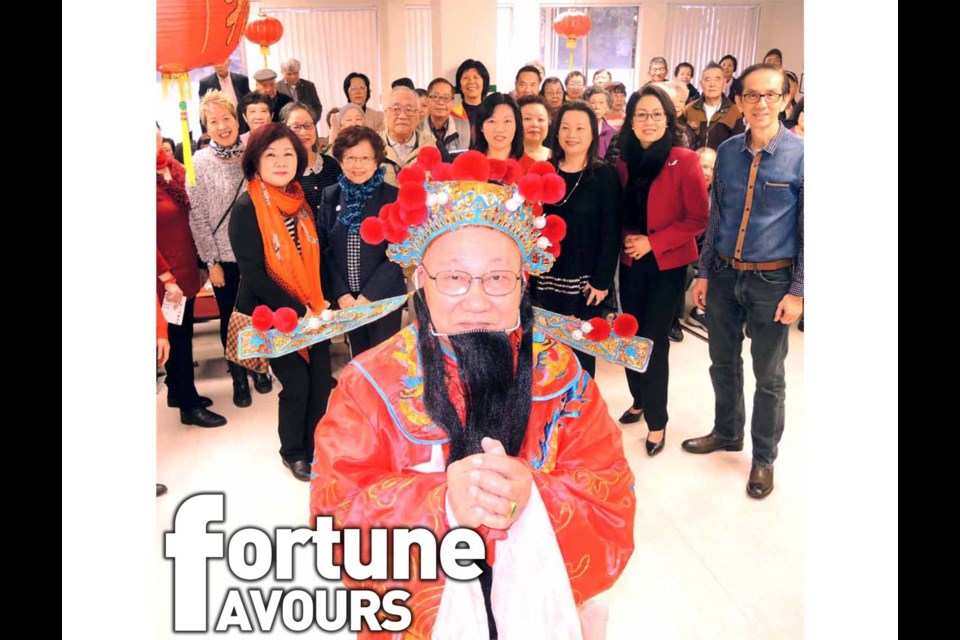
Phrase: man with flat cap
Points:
(266, 83)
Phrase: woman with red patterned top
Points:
(178, 277)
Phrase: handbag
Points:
(238, 322)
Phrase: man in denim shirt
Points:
(752, 261)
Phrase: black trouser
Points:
(227, 296)
(303, 399)
(651, 295)
(370, 335)
(682, 300)
(180, 383)
(576, 306)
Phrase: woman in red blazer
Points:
(665, 206)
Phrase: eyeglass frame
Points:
(302, 127)
(519, 278)
(408, 110)
(655, 116)
(766, 97)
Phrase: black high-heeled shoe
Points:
(631, 417)
(653, 448)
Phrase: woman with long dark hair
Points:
(582, 276)
(499, 128)
(664, 208)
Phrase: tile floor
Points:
(709, 561)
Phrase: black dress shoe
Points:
(629, 417)
(653, 448)
(698, 318)
(202, 418)
(299, 468)
(262, 382)
(709, 444)
(161, 489)
(760, 483)
(173, 403)
(675, 333)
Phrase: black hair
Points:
(485, 112)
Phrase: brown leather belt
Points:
(740, 265)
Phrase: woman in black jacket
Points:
(355, 272)
(274, 237)
(581, 281)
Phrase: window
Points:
(704, 33)
(611, 43)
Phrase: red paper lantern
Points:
(264, 31)
(572, 25)
(191, 35)
(194, 34)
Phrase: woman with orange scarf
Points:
(274, 239)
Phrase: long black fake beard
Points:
(497, 395)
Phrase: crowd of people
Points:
(691, 183)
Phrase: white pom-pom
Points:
(543, 243)
(577, 334)
(443, 198)
(431, 200)
(326, 315)
(540, 222)
(511, 205)
(313, 323)
(586, 327)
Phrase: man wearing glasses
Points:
(402, 137)
(713, 116)
(751, 271)
(452, 134)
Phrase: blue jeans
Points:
(734, 298)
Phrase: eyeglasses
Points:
(409, 109)
(642, 116)
(457, 283)
(302, 127)
(439, 98)
(355, 160)
(769, 97)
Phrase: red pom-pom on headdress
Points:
(555, 230)
(599, 329)
(530, 187)
(442, 172)
(413, 173)
(394, 229)
(412, 195)
(429, 157)
(262, 318)
(498, 169)
(471, 165)
(414, 217)
(626, 325)
(513, 172)
(371, 231)
(541, 168)
(553, 188)
(285, 319)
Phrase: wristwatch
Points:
(211, 263)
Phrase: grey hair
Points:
(291, 65)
